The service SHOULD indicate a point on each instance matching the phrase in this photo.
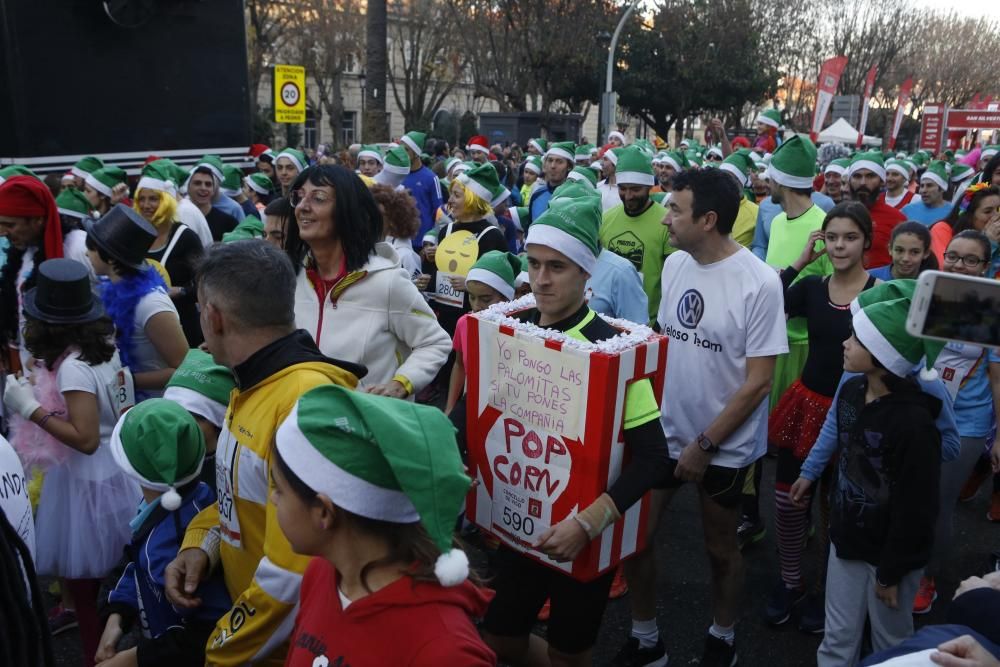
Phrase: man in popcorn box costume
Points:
(538, 564)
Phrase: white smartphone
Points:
(952, 307)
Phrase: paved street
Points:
(683, 590)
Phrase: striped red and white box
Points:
(544, 430)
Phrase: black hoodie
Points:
(885, 500)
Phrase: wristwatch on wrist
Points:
(706, 444)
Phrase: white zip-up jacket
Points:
(376, 317)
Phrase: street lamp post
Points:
(609, 100)
(363, 80)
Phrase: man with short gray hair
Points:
(246, 290)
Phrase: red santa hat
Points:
(478, 143)
(256, 150)
(28, 197)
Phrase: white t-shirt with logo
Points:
(715, 316)
(14, 500)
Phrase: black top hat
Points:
(123, 234)
(62, 294)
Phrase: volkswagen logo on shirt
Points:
(690, 309)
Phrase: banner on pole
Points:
(544, 430)
(865, 100)
(904, 99)
(829, 78)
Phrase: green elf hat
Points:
(716, 151)
(582, 152)
(200, 385)
(960, 172)
(675, 159)
(395, 168)
(159, 176)
(250, 227)
(295, 156)
(371, 151)
(159, 444)
(383, 459)
(517, 214)
(533, 164)
(937, 172)
(658, 158)
(232, 180)
(575, 190)
(659, 197)
(739, 164)
(497, 269)
(482, 180)
(214, 164)
(793, 164)
(838, 166)
(989, 151)
(770, 117)
(449, 164)
(644, 145)
(522, 277)
(430, 237)
(879, 320)
(103, 180)
(584, 175)
(693, 157)
(73, 203)
(563, 149)
(15, 170)
(500, 195)
(415, 140)
(570, 226)
(871, 160)
(259, 183)
(615, 134)
(635, 167)
(540, 145)
(897, 166)
(86, 165)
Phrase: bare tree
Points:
(426, 62)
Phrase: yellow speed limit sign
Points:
(289, 94)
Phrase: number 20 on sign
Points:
(289, 94)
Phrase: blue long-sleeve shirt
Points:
(615, 289)
(826, 444)
(424, 187)
(767, 211)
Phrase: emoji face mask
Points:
(457, 253)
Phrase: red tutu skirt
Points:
(796, 420)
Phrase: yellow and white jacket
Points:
(241, 531)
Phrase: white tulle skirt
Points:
(82, 523)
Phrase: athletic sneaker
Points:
(545, 611)
(812, 614)
(718, 653)
(994, 512)
(61, 620)
(780, 603)
(750, 532)
(619, 587)
(926, 595)
(971, 487)
(632, 655)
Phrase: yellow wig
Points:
(166, 212)
(474, 204)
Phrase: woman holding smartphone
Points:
(972, 376)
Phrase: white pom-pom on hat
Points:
(452, 567)
(928, 374)
(171, 500)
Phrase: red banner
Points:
(829, 77)
(904, 99)
(973, 119)
(865, 99)
(932, 127)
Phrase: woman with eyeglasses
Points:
(351, 295)
(978, 209)
(972, 376)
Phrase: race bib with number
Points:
(121, 392)
(445, 293)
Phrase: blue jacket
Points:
(767, 211)
(615, 289)
(140, 590)
(426, 191)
